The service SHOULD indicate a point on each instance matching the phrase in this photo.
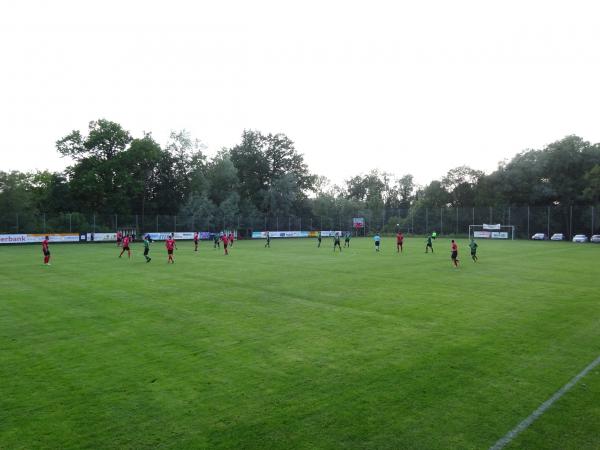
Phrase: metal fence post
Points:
(137, 225)
(473, 216)
(157, 223)
(548, 226)
(592, 220)
(174, 223)
(70, 215)
(528, 222)
(509, 223)
(456, 227)
(94, 225)
(570, 222)
(441, 220)
(426, 220)
(277, 222)
(17, 222)
(44, 221)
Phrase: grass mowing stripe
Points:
(508, 437)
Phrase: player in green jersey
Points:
(347, 239)
(147, 248)
(319, 238)
(429, 245)
(268, 243)
(473, 246)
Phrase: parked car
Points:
(595, 238)
(580, 238)
(557, 237)
(539, 237)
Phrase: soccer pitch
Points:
(297, 347)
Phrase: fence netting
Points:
(569, 220)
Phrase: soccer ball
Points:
(397, 224)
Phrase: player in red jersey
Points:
(196, 238)
(46, 251)
(454, 254)
(119, 238)
(126, 247)
(231, 239)
(399, 241)
(225, 240)
(170, 244)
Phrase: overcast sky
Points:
(405, 87)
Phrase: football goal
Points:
(492, 231)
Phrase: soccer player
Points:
(429, 245)
(125, 247)
(46, 251)
(231, 239)
(268, 243)
(147, 248)
(347, 240)
(399, 241)
(216, 241)
(473, 245)
(225, 240)
(119, 238)
(196, 238)
(170, 245)
(377, 240)
(454, 254)
(336, 242)
(319, 238)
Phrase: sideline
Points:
(508, 437)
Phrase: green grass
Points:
(297, 347)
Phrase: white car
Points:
(539, 237)
(580, 238)
(557, 237)
(595, 238)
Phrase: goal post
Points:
(494, 231)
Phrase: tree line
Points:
(264, 175)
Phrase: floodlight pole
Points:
(527, 222)
(548, 226)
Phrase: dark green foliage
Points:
(264, 176)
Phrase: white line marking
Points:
(508, 437)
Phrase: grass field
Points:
(297, 347)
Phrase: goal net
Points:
(492, 231)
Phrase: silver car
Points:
(557, 237)
(595, 238)
(580, 238)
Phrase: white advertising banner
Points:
(33, 238)
(292, 234)
(482, 234)
(101, 237)
(487, 226)
(500, 235)
(178, 236)
(13, 238)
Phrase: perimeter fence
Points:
(569, 220)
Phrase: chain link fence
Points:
(569, 220)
